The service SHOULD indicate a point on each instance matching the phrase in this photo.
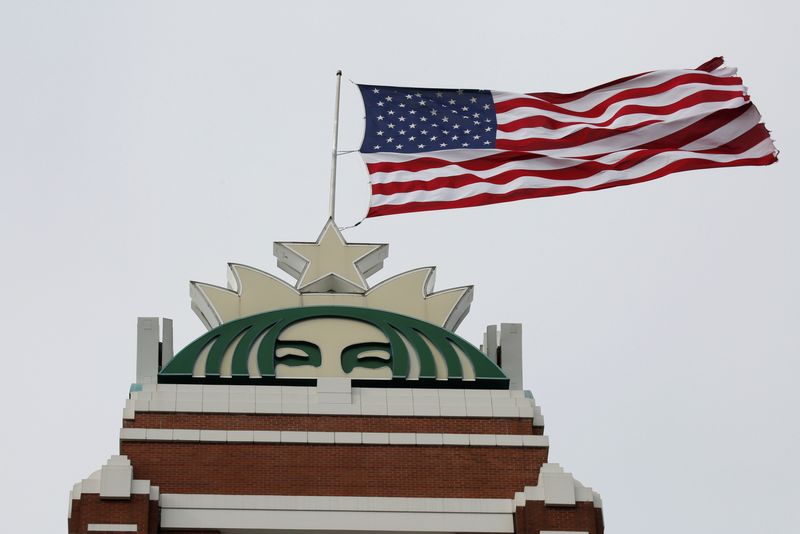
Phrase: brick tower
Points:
(331, 406)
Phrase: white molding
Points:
(113, 527)
(405, 402)
(337, 513)
(339, 438)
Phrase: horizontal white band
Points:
(335, 438)
(112, 527)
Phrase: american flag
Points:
(431, 149)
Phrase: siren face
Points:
(332, 347)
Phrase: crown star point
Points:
(330, 263)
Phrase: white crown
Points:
(329, 272)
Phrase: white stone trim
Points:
(398, 514)
(332, 398)
(557, 488)
(349, 438)
(114, 480)
(112, 527)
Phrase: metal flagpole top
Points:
(332, 197)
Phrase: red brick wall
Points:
(321, 469)
(92, 509)
(333, 423)
(535, 517)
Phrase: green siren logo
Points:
(333, 341)
(331, 323)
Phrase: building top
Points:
(331, 324)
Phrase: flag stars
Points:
(388, 98)
(380, 132)
(376, 147)
(438, 94)
(402, 119)
(402, 105)
(399, 147)
(390, 140)
(420, 146)
(390, 112)
(409, 97)
(402, 132)
(473, 100)
(380, 104)
(411, 138)
(451, 102)
(380, 117)
(486, 106)
(376, 90)
(391, 125)
(412, 125)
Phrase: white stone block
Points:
(375, 438)
(455, 439)
(525, 411)
(505, 411)
(429, 439)
(240, 436)
(508, 440)
(374, 409)
(268, 393)
(181, 434)
(402, 438)
(163, 405)
(348, 437)
(426, 409)
(399, 408)
(333, 385)
(242, 406)
(189, 388)
(321, 437)
(188, 406)
(293, 436)
(479, 409)
(159, 434)
(559, 489)
(115, 478)
(535, 441)
(216, 436)
(268, 407)
(482, 440)
(454, 410)
(210, 406)
(293, 407)
(266, 436)
(130, 434)
(141, 405)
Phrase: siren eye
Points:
(369, 355)
(294, 353)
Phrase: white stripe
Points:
(590, 100)
(531, 182)
(661, 99)
(724, 134)
(705, 108)
(627, 140)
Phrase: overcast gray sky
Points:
(144, 144)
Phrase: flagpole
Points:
(334, 152)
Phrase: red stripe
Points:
(583, 170)
(542, 121)
(637, 92)
(519, 194)
(593, 134)
(477, 164)
(712, 64)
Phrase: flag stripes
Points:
(631, 130)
